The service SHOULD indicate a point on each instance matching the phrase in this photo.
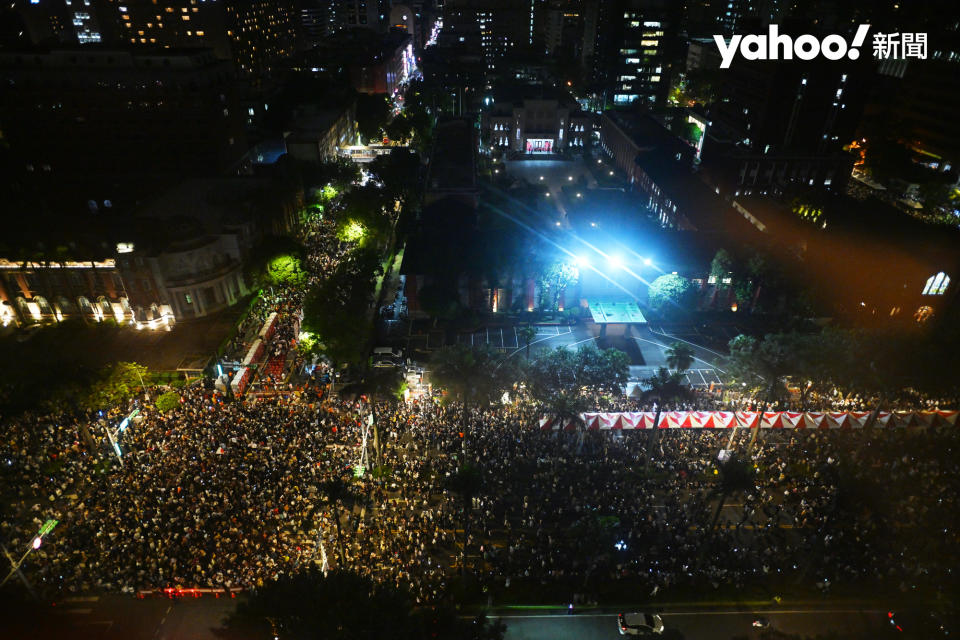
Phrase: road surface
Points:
(703, 625)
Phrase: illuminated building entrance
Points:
(539, 145)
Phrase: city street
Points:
(700, 625)
(117, 617)
(158, 618)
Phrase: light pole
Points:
(34, 544)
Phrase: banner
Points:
(749, 419)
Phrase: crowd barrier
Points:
(188, 592)
(749, 420)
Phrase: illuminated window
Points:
(937, 285)
(199, 33)
(186, 18)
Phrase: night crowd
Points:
(223, 492)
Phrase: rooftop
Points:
(452, 161)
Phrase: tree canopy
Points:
(373, 111)
(671, 292)
(473, 374)
(566, 373)
(346, 606)
(337, 310)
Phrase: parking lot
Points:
(714, 337)
(501, 338)
(651, 342)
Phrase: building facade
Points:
(538, 127)
(320, 137)
(120, 112)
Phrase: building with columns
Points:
(182, 256)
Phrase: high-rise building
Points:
(116, 112)
(252, 33)
(631, 59)
(506, 27)
(317, 18)
(26, 22)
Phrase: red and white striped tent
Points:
(749, 419)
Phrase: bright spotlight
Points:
(581, 261)
(579, 195)
(611, 173)
(570, 178)
(547, 194)
(541, 177)
(558, 223)
(647, 261)
(615, 261)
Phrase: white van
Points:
(388, 352)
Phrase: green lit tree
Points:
(115, 385)
(168, 401)
(670, 293)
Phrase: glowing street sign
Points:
(358, 471)
(47, 527)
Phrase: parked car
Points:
(639, 624)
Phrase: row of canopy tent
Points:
(749, 420)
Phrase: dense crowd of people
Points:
(229, 494)
(223, 492)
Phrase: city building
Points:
(121, 112)
(549, 124)
(374, 62)
(502, 28)
(56, 23)
(320, 135)
(181, 256)
(632, 53)
(253, 34)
